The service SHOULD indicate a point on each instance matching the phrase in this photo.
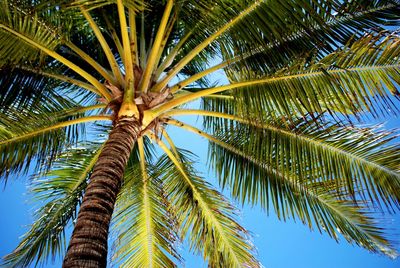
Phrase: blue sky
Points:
(279, 244)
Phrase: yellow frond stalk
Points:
(106, 48)
(115, 37)
(170, 142)
(168, 31)
(63, 78)
(128, 107)
(100, 69)
(171, 56)
(154, 53)
(186, 98)
(133, 37)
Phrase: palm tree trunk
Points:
(88, 245)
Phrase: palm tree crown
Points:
(90, 89)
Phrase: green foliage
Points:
(13, 19)
(149, 235)
(205, 215)
(325, 175)
(281, 131)
(58, 192)
(38, 132)
(343, 81)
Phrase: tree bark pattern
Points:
(88, 244)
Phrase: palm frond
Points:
(287, 41)
(361, 160)
(59, 192)
(205, 213)
(136, 5)
(14, 19)
(39, 40)
(358, 78)
(259, 178)
(23, 86)
(39, 133)
(355, 78)
(146, 234)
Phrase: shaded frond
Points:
(338, 23)
(26, 86)
(15, 20)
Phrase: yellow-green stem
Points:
(63, 78)
(133, 37)
(128, 107)
(207, 92)
(129, 76)
(100, 69)
(171, 55)
(152, 59)
(170, 142)
(114, 36)
(164, 42)
(197, 76)
(210, 70)
(106, 48)
(90, 108)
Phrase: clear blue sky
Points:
(279, 244)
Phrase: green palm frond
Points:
(136, 5)
(227, 21)
(26, 86)
(39, 39)
(20, 88)
(205, 213)
(39, 133)
(254, 174)
(360, 160)
(15, 20)
(359, 78)
(58, 192)
(347, 23)
(146, 234)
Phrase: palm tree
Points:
(282, 129)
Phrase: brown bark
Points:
(88, 244)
